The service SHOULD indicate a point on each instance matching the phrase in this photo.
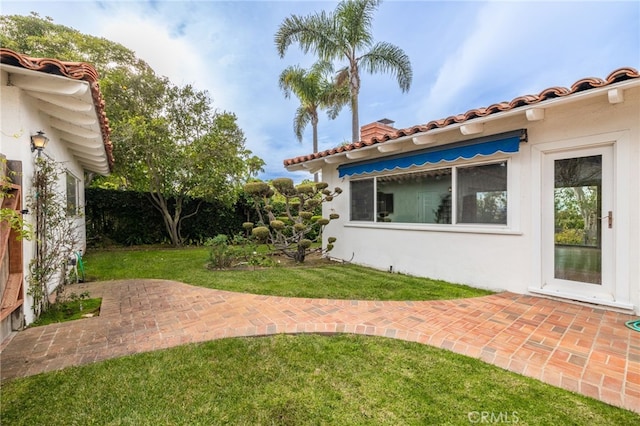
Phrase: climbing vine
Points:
(9, 216)
(56, 234)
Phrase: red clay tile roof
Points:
(616, 76)
(75, 71)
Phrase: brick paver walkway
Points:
(580, 348)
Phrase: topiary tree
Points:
(294, 232)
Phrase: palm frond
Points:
(355, 19)
(301, 119)
(312, 34)
(389, 58)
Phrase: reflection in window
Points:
(423, 197)
(482, 194)
(72, 195)
(578, 230)
(362, 200)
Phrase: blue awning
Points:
(465, 150)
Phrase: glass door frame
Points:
(579, 290)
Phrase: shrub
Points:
(299, 222)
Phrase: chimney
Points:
(376, 129)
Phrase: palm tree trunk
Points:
(355, 122)
(354, 84)
(314, 124)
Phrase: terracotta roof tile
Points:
(616, 76)
(75, 71)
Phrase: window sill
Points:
(421, 227)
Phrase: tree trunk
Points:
(300, 255)
(314, 125)
(355, 122)
(354, 84)
(171, 225)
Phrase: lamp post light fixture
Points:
(39, 142)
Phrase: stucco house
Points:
(62, 102)
(539, 195)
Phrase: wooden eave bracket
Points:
(422, 140)
(616, 96)
(535, 114)
(354, 155)
(389, 147)
(472, 128)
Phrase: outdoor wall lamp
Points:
(39, 142)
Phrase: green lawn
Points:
(332, 280)
(291, 380)
(296, 380)
(69, 310)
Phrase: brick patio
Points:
(576, 347)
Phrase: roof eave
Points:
(533, 112)
(58, 87)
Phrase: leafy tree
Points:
(346, 34)
(41, 37)
(577, 199)
(293, 233)
(187, 150)
(168, 141)
(576, 215)
(315, 91)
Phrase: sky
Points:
(464, 55)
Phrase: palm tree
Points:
(345, 34)
(315, 92)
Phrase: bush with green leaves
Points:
(293, 231)
(221, 254)
(238, 251)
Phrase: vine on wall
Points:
(56, 234)
(9, 216)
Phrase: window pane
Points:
(578, 229)
(72, 195)
(362, 200)
(482, 194)
(423, 197)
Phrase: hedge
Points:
(129, 218)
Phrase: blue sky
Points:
(464, 55)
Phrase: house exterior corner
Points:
(65, 106)
(539, 198)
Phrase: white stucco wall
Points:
(20, 120)
(509, 258)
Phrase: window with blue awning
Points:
(507, 143)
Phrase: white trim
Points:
(535, 114)
(472, 128)
(512, 227)
(619, 292)
(434, 227)
(427, 136)
(582, 298)
(615, 96)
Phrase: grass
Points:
(291, 380)
(296, 380)
(330, 280)
(68, 310)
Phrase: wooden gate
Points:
(11, 268)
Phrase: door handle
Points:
(609, 218)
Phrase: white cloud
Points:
(151, 41)
(484, 48)
(464, 54)
(518, 48)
